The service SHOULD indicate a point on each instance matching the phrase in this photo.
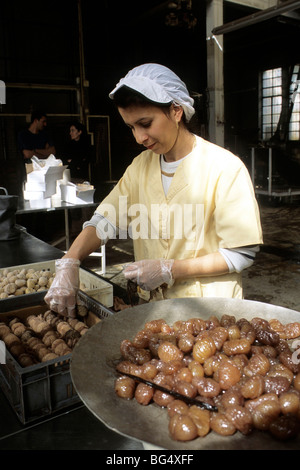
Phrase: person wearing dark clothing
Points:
(78, 152)
(35, 140)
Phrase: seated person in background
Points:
(35, 140)
(77, 154)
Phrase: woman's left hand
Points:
(150, 273)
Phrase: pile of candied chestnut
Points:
(247, 369)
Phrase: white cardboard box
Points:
(33, 195)
(42, 181)
(71, 194)
(45, 203)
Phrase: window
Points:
(271, 101)
(294, 126)
(280, 105)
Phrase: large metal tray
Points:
(93, 372)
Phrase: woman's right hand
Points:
(62, 295)
(150, 273)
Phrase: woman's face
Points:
(151, 127)
(74, 133)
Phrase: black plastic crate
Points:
(42, 389)
(37, 391)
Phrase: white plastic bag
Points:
(39, 164)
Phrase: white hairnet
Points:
(158, 84)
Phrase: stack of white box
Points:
(41, 184)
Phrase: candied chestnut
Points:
(240, 360)
(141, 339)
(148, 371)
(207, 387)
(251, 405)
(237, 346)
(258, 364)
(171, 367)
(265, 413)
(182, 428)
(125, 387)
(240, 417)
(155, 325)
(227, 321)
(286, 358)
(162, 398)
(143, 394)
(292, 330)
(220, 424)
(210, 365)
(264, 333)
(277, 326)
(184, 374)
(234, 332)
(133, 354)
(233, 396)
(166, 381)
(247, 330)
(183, 327)
(229, 374)
(201, 418)
(177, 407)
(297, 382)
(289, 402)
(285, 427)
(212, 323)
(197, 369)
(186, 342)
(219, 336)
(186, 389)
(253, 387)
(280, 370)
(203, 349)
(198, 325)
(167, 351)
(128, 367)
(269, 351)
(276, 385)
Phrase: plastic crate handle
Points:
(5, 190)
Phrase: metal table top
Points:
(43, 205)
(25, 250)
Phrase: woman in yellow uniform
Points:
(188, 205)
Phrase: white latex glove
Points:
(62, 295)
(150, 273)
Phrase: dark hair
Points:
(79, 127)
(125, 97)
(37, 115)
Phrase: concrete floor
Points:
(275, 276)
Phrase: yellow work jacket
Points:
(210, 205)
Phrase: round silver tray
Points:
(95, 356)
